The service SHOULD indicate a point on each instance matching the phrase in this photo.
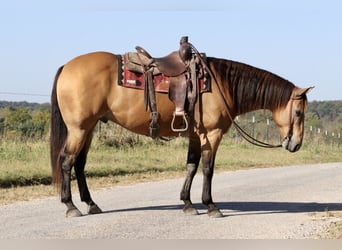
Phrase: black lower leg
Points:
(66, 198)
(82, 184)
(81, 181)
(185, 193)
(208, 172)
(194, 155)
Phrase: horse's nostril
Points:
(296, 148)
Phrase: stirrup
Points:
(179, 129)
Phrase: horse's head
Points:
(290, 119)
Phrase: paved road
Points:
(272, 203)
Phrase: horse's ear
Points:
(299, 92)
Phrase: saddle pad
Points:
(136, 80)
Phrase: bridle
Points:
(242, 132)
(291, 117)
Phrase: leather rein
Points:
(242, 132)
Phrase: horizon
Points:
(49, 103)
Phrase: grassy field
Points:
(25, 171)
(27, 164)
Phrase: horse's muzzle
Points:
(291, 145)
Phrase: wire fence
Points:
(261, 127)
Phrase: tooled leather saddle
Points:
(180, 74)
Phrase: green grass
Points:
(28, 163)
(24, 163)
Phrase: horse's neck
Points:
(251, 88)
(249, 94)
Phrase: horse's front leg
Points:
(194, 156)
(210, 143)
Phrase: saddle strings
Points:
(242, 132)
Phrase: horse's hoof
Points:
(215, 213)
(190, 211)
(73, 212)
(94, 209)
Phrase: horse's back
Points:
(90, 64)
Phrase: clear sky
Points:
(298, 40)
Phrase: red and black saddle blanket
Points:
(135, 79)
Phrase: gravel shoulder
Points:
(272, 203)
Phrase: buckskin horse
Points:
(86, 90)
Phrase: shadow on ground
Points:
(246, 207)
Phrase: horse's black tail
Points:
(58, 133)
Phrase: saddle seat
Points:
(170, 65)
(173, 64)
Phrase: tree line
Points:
(24, 120)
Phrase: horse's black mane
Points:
(252, 88)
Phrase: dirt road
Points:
(271, 203)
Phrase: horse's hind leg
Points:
(68, 161)
(194, 156)
(75, 142)
(81, 180)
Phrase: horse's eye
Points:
(298, 113)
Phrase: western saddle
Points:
(184, 69)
